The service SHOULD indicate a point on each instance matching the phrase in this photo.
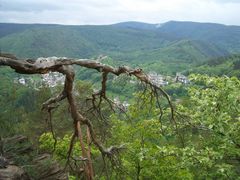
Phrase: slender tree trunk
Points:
(84, 153)
(89, 153)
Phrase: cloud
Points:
(225, 1)
(112, 11)
(27, 6)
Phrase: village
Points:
(51, 80)
(54, 79)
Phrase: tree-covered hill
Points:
(183, 51)
(227, 37)
(172, 46)
(10, 28)
(229, 66)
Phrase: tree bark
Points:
(64, 66)
(89, 153)
(84, 153)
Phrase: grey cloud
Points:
(112, 11)
(27, 6)
(225, 1)
(52, 5)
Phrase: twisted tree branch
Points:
(64, 66)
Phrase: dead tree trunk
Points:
(89, 153)
(87, 169)
(64, 66)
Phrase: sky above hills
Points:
(113, 11)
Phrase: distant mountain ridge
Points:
(135, 42)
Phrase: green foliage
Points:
(213, 111)
(72, 177)
(61, 149)
(228, 66)
(143, 137)
(47, 142)
(12, 103)
(209, 123)
(177, 90)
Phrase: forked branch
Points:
(64, 66)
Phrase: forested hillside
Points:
(124, 101)
(228, 66)
(172, 42)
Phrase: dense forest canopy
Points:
(194, 135)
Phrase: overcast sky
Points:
(113, 11)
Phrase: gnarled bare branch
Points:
(64, 66)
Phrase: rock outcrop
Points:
(21, 162)
(48, 169)
(12, 172)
